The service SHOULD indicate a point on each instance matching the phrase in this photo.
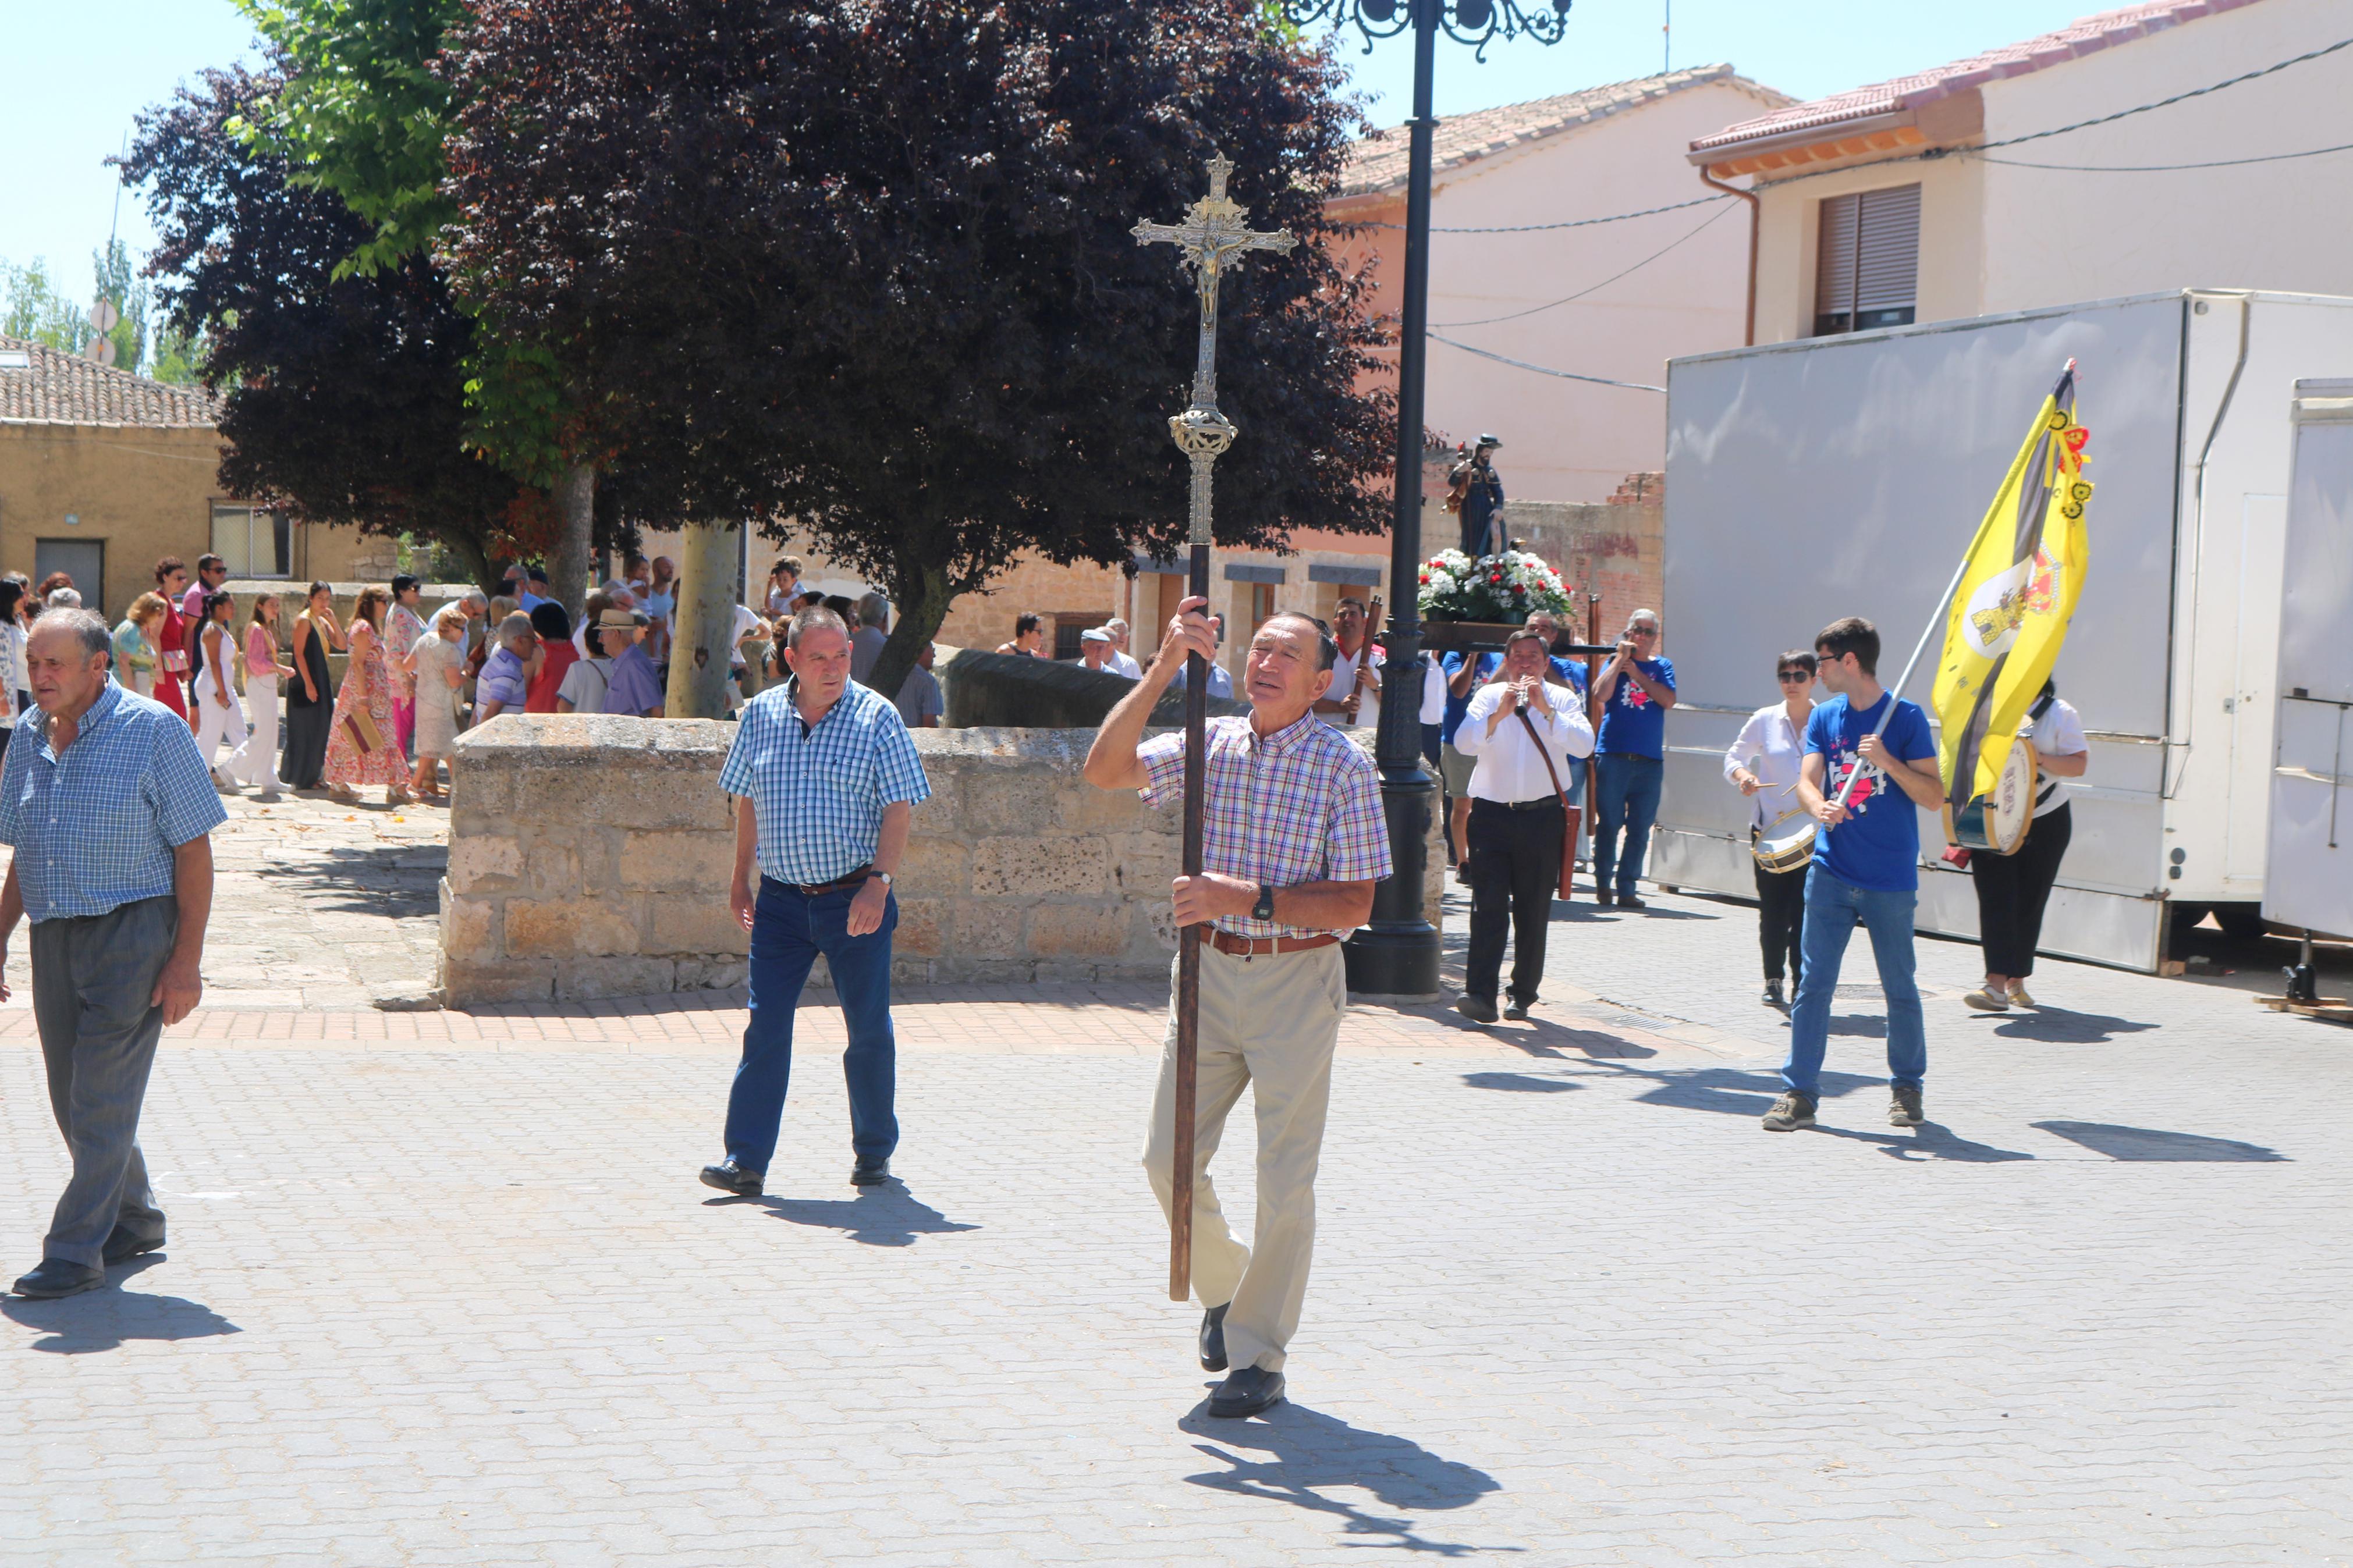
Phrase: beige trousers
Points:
(1272, 1023)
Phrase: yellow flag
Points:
(2009, 614)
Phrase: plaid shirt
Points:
(819, 790)
(95, 828)
(1304, 805)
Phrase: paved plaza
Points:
(442, 1288)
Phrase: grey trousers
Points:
(92, 982)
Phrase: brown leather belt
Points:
(1234, 946)
(810, 890)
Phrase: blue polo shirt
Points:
(94, 828)
(1631, 722)
(1878, 846)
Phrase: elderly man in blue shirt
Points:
(110, 809)
(825, 781)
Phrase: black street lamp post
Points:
(1396, 955)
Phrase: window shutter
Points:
(1834, 268)
(1889, 268)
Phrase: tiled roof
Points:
(2077, 38)
(58, 388)
(1379, 161)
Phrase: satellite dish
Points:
(103, 315)
(102, 351)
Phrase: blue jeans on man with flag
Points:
(1832, 908)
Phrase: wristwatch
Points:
(1264, 908)
(882, 876)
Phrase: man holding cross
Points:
(1294, 841)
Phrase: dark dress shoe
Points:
(1629, 901)
(1246, 1391)
(869, 1173)
(1213, 1338)
(730, 1177)
(122, 1246)
(1604, 896)
(57, 1277)
(1478, 1009)
(1515, 1008)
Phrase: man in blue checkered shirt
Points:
(1293, 844)
(825, 781)
(109, 808)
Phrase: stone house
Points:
(1912, 201)
(102, 473)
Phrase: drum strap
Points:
(2050, 786)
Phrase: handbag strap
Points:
(1544, 756)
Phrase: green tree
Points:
(32, 308)
(132, 298)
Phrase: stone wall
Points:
(1618, 547)
(589, 856)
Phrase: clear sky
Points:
(79, 71)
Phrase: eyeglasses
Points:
(1789, 675)
(1643, 632)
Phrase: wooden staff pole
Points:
(1189, 958)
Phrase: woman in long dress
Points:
(219, 720)
(355, 756)
(438, 662)
(311, 694)
(256, 761)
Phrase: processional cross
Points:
(1214, 234)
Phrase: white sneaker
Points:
(1985, 1001)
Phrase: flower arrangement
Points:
(1504, 587)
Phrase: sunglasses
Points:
(1643, 632)
(1788, 675)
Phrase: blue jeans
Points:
(789, 931)
(1626, 791)
(1831, 909)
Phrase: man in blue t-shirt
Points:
(1629, 751)
(1867, 867)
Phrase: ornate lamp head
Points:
(1473, 21)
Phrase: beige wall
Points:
(142, 493)
(1567, 441)
(1995, 237)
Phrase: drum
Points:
(1786, 844)
(1996, 824)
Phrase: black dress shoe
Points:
(1604, 896)
(1246, 1391)
(122, 1246)
(1515, 1008)
(730, 1177)
(1213, 1338)
(57, 1277)
(1476, 1008)
(869, 1172)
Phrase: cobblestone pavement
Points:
(442, 1289)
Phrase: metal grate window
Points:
(1867, 268)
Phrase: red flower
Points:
(1494, 576)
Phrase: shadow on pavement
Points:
(2056, 1025)
(1586, 912)
(1731, 1091)
(104, 1320)
(1308, 1454)
(884, 1215)
(1519, 1083)
(349, 880)
(1539, 1039)
(2148, 1144)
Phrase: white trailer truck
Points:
(1846, 475)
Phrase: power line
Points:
(2168, 168)
(1578, 223)
(2168, 102)
(1581, 294)
(1545, 370)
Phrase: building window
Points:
(1868, 266)
(254, 543)
(1261, 605)
(1067, 628)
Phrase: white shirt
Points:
(1120, 664)
(1344, 681)
(1433, 690)
(746, 622)
(1509, 768)
(2059, 733)
(1774, 749)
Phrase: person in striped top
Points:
(1293, 842)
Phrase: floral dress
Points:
(346, 763)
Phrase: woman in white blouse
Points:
(2013, 888)
(1764, 765)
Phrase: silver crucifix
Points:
(1214, 235)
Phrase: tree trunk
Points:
(702, 645)
(920, 614)
(568, 562)
(468, 549)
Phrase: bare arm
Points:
(1811, 774)
(1111, 761)
(1657, 692)
(739, 894)
(1921, 780)
(867, 909)
(1317, 906)
(12, 909)
(2063, 764)
(181, 986)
